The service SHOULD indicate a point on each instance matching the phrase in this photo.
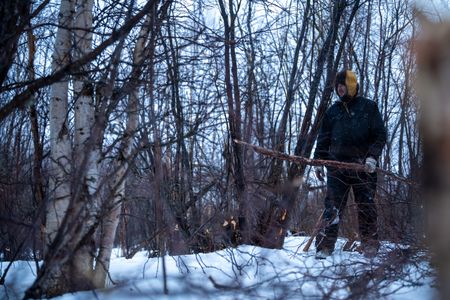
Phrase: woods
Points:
(119, 122)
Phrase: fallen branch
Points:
(222, 286)
(317, 228)
(321, 162)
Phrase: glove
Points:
(370, 164)
(320, 173)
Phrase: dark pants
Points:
(339, 183)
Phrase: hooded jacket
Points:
(352, 128)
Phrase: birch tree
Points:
(85, 152)
(76, 211)
(122, 161)
(59, 128)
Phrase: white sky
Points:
(440, 8)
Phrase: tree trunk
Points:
(59, 132)
(83, 261)
(182, 186)
(68, 264)
(15, 16)
(289, 192)
(234, 117)
(38, 184)
(113, 207)
(332, 66)
(433, 65)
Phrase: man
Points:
(352, 130)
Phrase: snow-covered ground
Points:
(249, 272)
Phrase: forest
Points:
(134, 124)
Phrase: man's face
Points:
(341, 90)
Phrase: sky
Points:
(439, 8)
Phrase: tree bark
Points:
(433, 65)
(86, 152)
(60, 145)
(60, 148)
(38, 184)
(112, 209)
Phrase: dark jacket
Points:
(351, 131)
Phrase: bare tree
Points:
(145, 103)
(76, 209)
(229, 15)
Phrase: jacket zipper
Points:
(346, 109)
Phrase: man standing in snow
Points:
(352, 130)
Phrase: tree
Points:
(76, 209)
(433, 64)
(146, 101)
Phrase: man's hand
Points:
(320, 173)
(370, 164)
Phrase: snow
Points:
(247, 272)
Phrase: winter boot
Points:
(323, 253)
(369, 248)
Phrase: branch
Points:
(322, 162)
(303, 160)
(22, 99)
(221, 286)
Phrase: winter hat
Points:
(347, 78)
